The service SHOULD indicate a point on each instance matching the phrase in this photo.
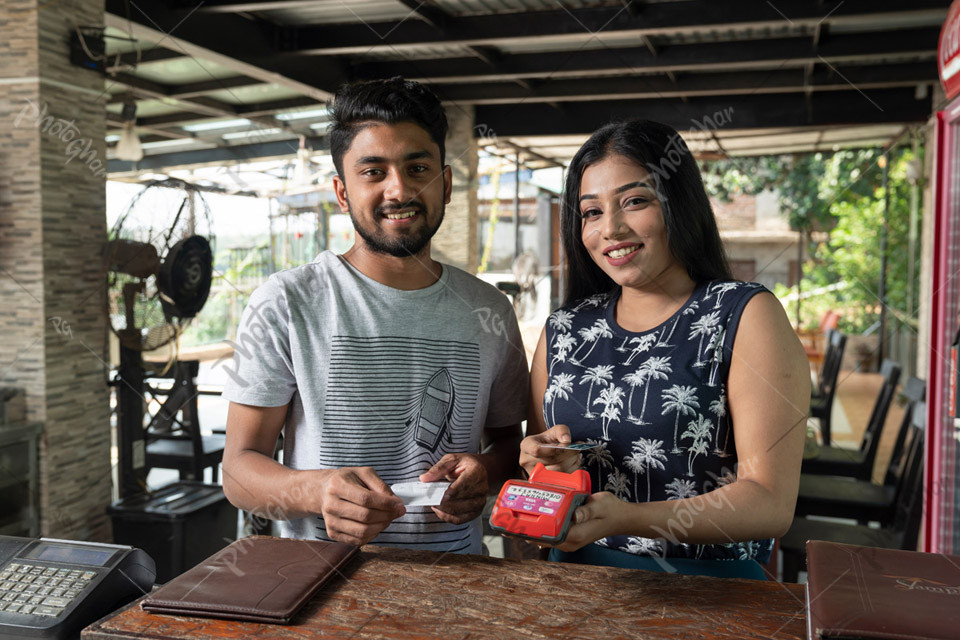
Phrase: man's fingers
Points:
(349, 511)
(361, 495)
(444, 467)
(369, 478)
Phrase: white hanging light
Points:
(128, 147)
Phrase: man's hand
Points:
(357, 505)
(465, 498)
(553, 459)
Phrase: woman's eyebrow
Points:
(618, 190)
(632, 185)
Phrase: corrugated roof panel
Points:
(254, 94)
(414, 53)
(183, 70)
(481, 7)
(340, 12)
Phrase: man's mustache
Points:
(412, 204)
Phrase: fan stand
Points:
(131, 446)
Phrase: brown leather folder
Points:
(865, 593)
(260, 579)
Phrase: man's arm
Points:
(355, 503)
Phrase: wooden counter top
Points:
(390, 593)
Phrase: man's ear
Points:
(340, 189)
(447, 184)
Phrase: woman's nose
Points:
(613, 223)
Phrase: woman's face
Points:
(622, 224)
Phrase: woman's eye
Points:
(590, 214)
(637, 201)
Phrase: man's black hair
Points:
(392, 101)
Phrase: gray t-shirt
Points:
(380, 377)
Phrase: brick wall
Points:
(52, 224)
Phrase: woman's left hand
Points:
(598, 517)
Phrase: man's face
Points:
(394, 187)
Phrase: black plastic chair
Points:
(174, 440)
(844, 497)
(837, 461)
(821, 400)
(901, 534)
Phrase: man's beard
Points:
(404, 246)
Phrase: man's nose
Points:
(398, 188)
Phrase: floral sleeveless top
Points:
(655, 401)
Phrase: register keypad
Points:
(38, 590)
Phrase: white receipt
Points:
(420, 494)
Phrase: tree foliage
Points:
(837, 201)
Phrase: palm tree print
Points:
(598, 455)
(560, 386)
(600, 373)
(634, 379)
(589, 335)
(699, 431)
(665, 339)
(720, 289)
(602, 330)
(705, 325)
(618, 484)
(561, 345)
(678, 489)
(646, 454)
(644, 343)
(718, 408)
(611, 398)
(561, 320)
(623, 347)
(643, 546)
(593, 301)
(683, 400)
(715, 347)
(653, 368)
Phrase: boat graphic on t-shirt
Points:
(433, 415)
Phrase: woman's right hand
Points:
(531, 451)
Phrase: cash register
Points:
(53, 588)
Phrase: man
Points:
(380, 365)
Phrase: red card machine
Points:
(540, 508)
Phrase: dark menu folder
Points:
(865, 593)
(260, 579)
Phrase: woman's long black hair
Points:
(692, 233)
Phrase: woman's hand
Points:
(531, 451)
(600, 516)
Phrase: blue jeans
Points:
(597, 555)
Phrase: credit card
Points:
(576, 446)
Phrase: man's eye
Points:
(419, 168)
(371, 172)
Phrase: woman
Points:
(693, 386)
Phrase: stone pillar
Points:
(53, 331)
(456, 241)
